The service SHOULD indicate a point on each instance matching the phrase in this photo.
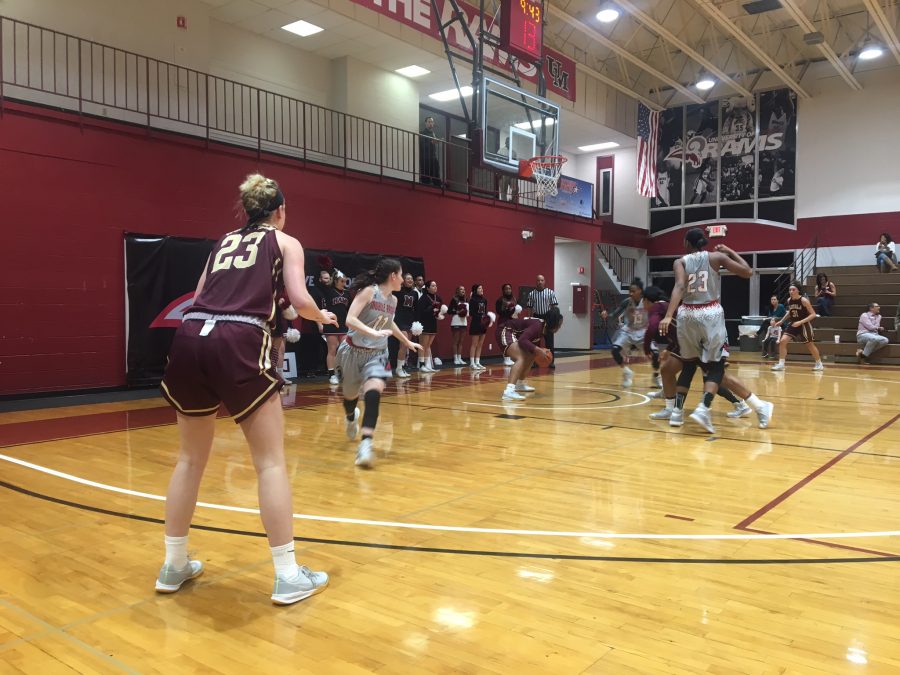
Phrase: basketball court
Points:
(565, 534)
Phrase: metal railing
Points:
(805, 265)
(47, 67)
(622, 267)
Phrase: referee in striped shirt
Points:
(540, 300)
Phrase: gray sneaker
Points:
(764, 413)
(655, 394)
(702, 417)
(664, 414)
(300, 587)
(676, 419)
(365, 454)
(170, 579)
(353, 425)
(741, 409)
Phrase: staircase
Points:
(619, 268)
(856, 288)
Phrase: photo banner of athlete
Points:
(729, 160)
(161, 275)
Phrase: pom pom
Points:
(289, 313)
(416, 328)
(292, 335)
(325, 262)
(462, 310)
(516, 311)
(488, 320)
(438, 362)
(436, 308)
(443, 309)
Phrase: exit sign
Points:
(717, 230)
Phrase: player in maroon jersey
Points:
(519, 339)
(800, 314)
(221, 355)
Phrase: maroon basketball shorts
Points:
(231, 365)
(801, 334)
(508, 338)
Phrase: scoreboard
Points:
(521, 29)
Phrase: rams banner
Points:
(161, 275)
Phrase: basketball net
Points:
(545, 170)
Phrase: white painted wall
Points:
(629, 208)
(841, 256)
(568, 257)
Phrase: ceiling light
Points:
(534, 124)
(705, 83)
(412, 71)
(870, 51)
(607, 15)
(452, 94)
(302, 28)
(598, 146)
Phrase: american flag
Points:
(647, 140)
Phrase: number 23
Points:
(223, 261)
(700, 280)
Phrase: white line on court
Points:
(586, 406)
(455, 528)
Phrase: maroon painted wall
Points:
(71, 191)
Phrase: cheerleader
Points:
(428, 311)
(478, 309)
(459, 318)
(404, 317)
(336, 299)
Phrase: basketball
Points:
(543, 357)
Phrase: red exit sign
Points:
(717, 230)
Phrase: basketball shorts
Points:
(701, 332)
(231, 365)
(630, 340)
(667, 342)
(801, 334)
(509, 337)
(356, 365)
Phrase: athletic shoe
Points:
(170, 579)
(764, 413)
(524, 387)
(702, 417)
(657, 381)
(365, 454)
(676, 419)
(303, 585)
(333, 380)
(819, 366)
(480, 367)
(778, 366)
(427, 369)
(508, 361)
(655, 394)
(511, 396)
(353, 425)
(627, 376)
(741, 409)
(401, 372)
(664, 414)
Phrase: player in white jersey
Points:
(363, 363)
(701, 325)
(630, 336)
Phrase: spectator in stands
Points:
(776, 311)
(886, 254)
(420, 285)
(825, 294)
(868, 334)
(429, 169)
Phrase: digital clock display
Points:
(521, 28)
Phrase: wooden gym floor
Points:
(566, 535)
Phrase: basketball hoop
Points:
(545, 170)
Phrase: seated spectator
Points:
(825, 294)
(770, 342)
(776, 311)
(868, 334)
(886, 254)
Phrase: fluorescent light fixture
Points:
(598, 146)
(534, 124)
(452, 94)
(463, 136)
(705, 83)
(412, 71)
(607, 15)
(302, 28)
(871, 51)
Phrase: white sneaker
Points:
(401, 372)
(365, 454)
(333, 380)
(676, 419)
(508, 361)
(627, 376)
(655, 394)
(511, 396)
(353, 425)
(427, 369)
(305, 584)
(657, 381)
(170, 579)
(524, 387)
(764, 413)
(481, 366)
(663, 414)
(741, 409)
(819, 366)
(702, 417)
(778, 366)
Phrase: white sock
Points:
(819, 362)
(518, 382)
(780, 362)
(176, 552)
(478, 362)
(285, 563)
(754, 401)
(670, 404)
(510, 387)
(701, 406)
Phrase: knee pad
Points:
(686, 376)
(370, 415)
(715, 372)
(617, 354)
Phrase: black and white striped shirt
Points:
(541, 301)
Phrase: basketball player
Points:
(478, 309)
(336, 299)
(459, 320)
(520, 339)
(404, 317)
(505, 307)
(427, 312)
(363, 364)
(221, 354)
(801, 314)
(701, 325)
(631, 335)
